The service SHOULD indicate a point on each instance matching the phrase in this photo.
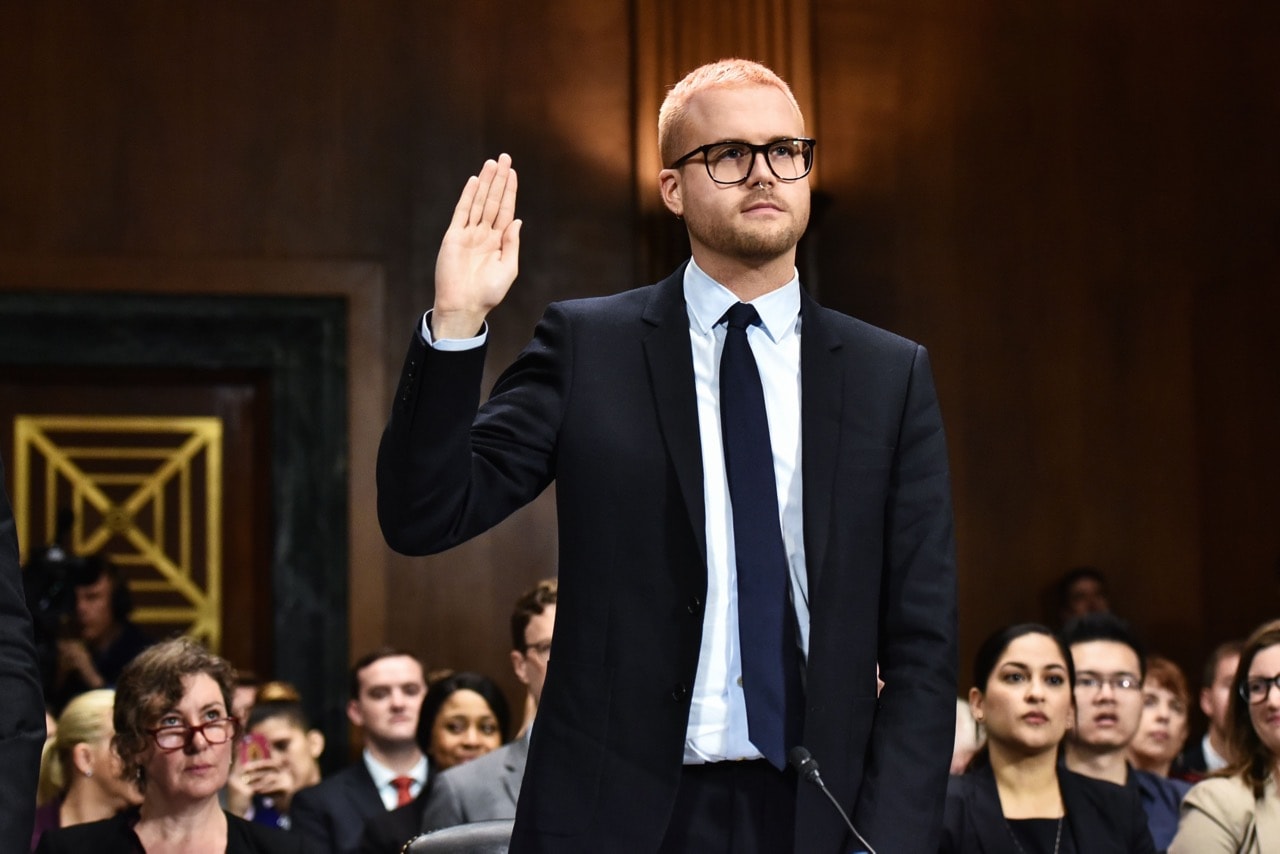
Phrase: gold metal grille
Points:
(147, 491)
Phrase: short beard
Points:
(750, 247)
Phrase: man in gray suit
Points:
(487, 788)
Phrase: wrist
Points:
(456, 323)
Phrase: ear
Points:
(976, 704)
(671, 190)
(315, 743)
(82, 758)
(354, 714)
(520, 665)
(1071, 717)
(1206, 704)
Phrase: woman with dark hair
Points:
(463, 717)
(1238, 810)
(1014, 798)
(174, 737)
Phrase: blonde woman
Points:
(80, 775)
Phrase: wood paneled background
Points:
(1074, 205)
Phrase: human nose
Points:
(761, 172)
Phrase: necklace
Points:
(1057, 839)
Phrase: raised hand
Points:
(479, 255)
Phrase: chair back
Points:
(480, 837)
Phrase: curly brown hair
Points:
(153, 683)
(1250, 759)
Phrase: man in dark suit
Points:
(22, 710)
(751, 514)
(487, 788)
(387, 689)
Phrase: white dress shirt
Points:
(382, 777)
(718, 717)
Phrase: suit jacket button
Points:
(680, 691)
(695, 605)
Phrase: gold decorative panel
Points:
(147, 491)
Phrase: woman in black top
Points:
(1014, 798)
(175, 737)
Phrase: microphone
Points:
(807, 767)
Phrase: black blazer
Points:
(602, 402)
(116, 836)
(1104, 818)
(330, 816)
(22, 710)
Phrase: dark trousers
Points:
(733, 808)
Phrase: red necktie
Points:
(402, 785)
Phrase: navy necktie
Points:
(766, 621)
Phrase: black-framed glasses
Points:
(216, 731)
(1256, 689)
(731, 162)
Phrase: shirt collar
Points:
(382, 775)
(708, 300)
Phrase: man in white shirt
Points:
(753, 504)
(387, 689)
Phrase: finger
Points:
(497, 189)
(483, 186)
(463, 208)
(511, 244)
(507, 204)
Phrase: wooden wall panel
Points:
(1071, 204)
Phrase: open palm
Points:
(479, 256)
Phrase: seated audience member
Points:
(386, 693)
(176, 737)
(1239, 810)
(262, 787)
(969, 737)
(1110, 665)
(1163, 729)
(464, 717)
(1080, 591)
(1208, 754)
(247, 685)
(1015, 796)
(489, 787)
(81, 778)
(105, 639)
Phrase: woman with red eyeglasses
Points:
(175, 737)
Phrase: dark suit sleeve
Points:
(447, 473)
(911, 741)
(310, 822)
(22, 710)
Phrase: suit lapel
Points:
(989, 826)
(363, 792)
(514, 766)
(670, 361)
(821, 410)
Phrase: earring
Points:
(89, 773)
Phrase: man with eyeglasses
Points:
(1110, 663)
(486, 789)
(753, 503)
